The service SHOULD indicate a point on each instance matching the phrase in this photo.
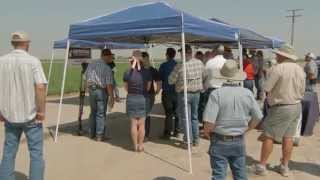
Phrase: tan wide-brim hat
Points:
(288, 51)
(19, 36)
(230, 72)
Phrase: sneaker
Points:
(283, 170)
(165, 137)
(185, 145)
(99, 139)
(259, 169)
(196, 143)
(176, 134)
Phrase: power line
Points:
(293, 17)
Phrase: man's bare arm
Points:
(208, 129)
(41, 90)
(111, 95)
(252, 124)
(1, 118)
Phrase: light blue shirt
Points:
(231, 109)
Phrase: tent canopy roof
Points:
(151, 23)
(62, 44)
(251, 39)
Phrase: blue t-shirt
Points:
(137, 80)
(164, 72)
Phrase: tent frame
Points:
(185, 92)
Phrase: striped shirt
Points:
(99, 73)
(195, 76)
(19, 72)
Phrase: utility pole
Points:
(293, 17)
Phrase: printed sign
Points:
(80, 53)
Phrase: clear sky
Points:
(47, 20)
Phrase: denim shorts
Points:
(136, 106)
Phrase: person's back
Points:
(195, 75)
(286, 84)
(235, 109)
(17, 77)
(137, 80)
(164, 71)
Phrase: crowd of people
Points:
(216, 99)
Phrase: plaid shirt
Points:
(195, 76)
(100, 74)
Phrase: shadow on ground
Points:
(118, 130)
(306, 167)
(164, 178)
(20, 176)
(71, 101)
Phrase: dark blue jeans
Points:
(193, 103)
(34, 135)
(249, 84)
(224, 152)
(150, 102)
(204, 97)
(170, 103)
(98, 105)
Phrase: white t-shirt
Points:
(212, 65)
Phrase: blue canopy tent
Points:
(151, 23)
(252, 39)
(62, 44)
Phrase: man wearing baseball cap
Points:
(311, 70)
(285, 89)
(99, 78)
(22, 107)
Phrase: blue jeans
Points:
(249, 84)
(193, 103)
(34, 135)
(98, 105)
(223, 152)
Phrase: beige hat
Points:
(219, 48)
(230, 71)
(19, 36)
(286, 50)
(311, 55)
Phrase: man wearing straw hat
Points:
(22, 107)
(285, 88)
(231, 111)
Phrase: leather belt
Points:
(226, 138)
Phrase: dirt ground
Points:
(76, 157)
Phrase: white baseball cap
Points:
(19, 36)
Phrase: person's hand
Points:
(118, 99)
(1, 118)
(111, 102)
(206, 135)
(40, 117)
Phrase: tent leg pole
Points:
(62, 90)
(185, 92)
(50, 70)
(240, 58)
